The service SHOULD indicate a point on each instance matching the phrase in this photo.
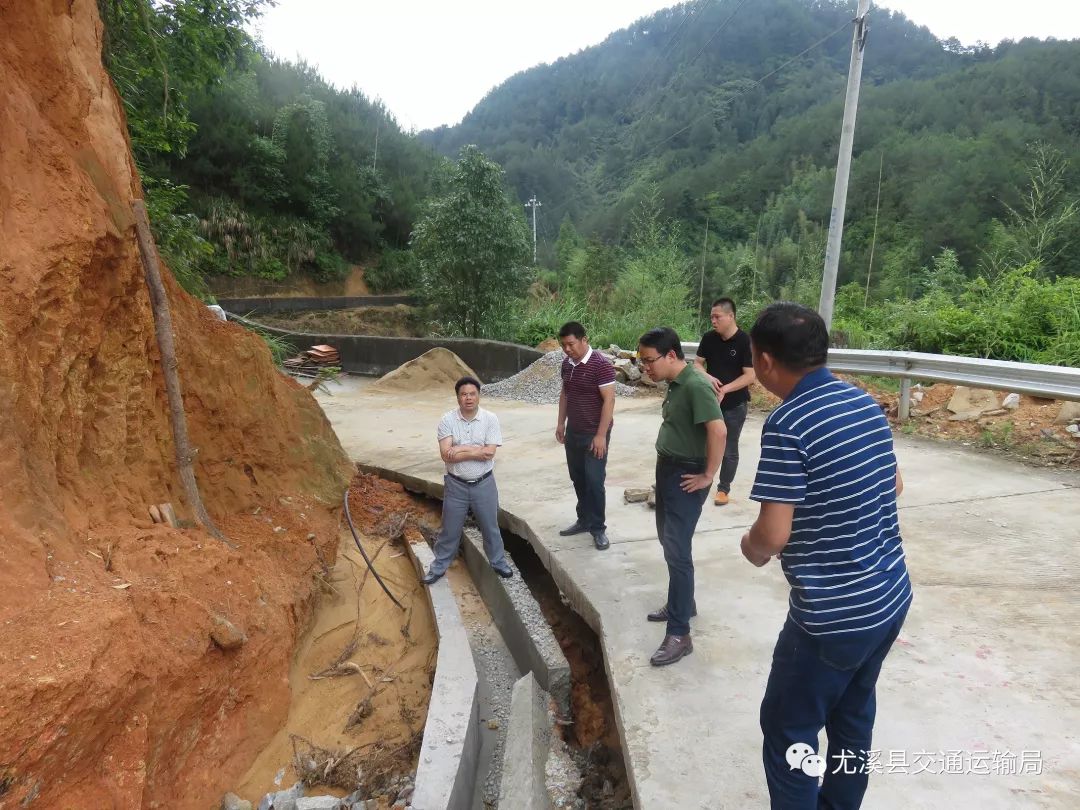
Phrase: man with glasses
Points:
(724, 357)
(468, 437)
(689, 448)
(586, 406)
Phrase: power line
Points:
(693, 59)
(748, 88)
(757, 82)
(690, 12)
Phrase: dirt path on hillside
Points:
(399, 320)
(295, 286)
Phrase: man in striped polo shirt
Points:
(827, 483)
(586, 408)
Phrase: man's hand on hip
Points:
(693, 483)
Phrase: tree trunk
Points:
(159, 303)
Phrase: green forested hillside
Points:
(253, 165)
(673, 105)
(687, 156)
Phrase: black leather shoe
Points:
(600, 541)
(430, 578)
(577, 527)
(661, 615)
(505, 573)
(673, 649)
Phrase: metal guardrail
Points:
(1056, 382)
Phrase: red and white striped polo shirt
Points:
(582, 383)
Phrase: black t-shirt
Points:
(725, 360)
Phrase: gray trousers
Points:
(458, 499)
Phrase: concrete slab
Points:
(981, 685)
(527, 742)
(446, 773)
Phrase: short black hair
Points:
(726, 303)
(664, 339)
(795, 336)
(466, 381)
(572, 328)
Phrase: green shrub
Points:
(396, 271)
(270, 247)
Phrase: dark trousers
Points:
(588, 474)
(734, 419)
(816, 682)
(677, 514)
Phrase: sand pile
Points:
(434, 369)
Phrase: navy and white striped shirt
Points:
(828, 449)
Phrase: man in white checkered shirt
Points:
(468, 437)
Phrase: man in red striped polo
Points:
(586, 408)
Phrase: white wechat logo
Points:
(801, 756)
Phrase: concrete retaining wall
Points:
(450, 752)
(575, 597)
(376, 355)
(243, 306)
(523, 627)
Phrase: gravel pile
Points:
(540, 383)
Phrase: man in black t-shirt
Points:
(724, 357)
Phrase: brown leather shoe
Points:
(673, 648)
(721, 498)
(661, 615)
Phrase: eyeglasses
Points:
(650, 360)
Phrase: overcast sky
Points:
(431, 61)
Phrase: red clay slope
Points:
(111, 692)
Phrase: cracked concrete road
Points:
(980, 691)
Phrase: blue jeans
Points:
(588, 474)
(458, 499)
(816, 682)
(677, 514)
(734, 419)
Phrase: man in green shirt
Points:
(689, 449)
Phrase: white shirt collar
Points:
(463, 418)
(584, 359)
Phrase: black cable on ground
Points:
(363, 553)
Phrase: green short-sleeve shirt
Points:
(689, 404)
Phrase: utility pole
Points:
(534, 204)
(843, 165)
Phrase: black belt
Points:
(470, 481)
(681, 462)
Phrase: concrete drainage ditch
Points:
(559, 745)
